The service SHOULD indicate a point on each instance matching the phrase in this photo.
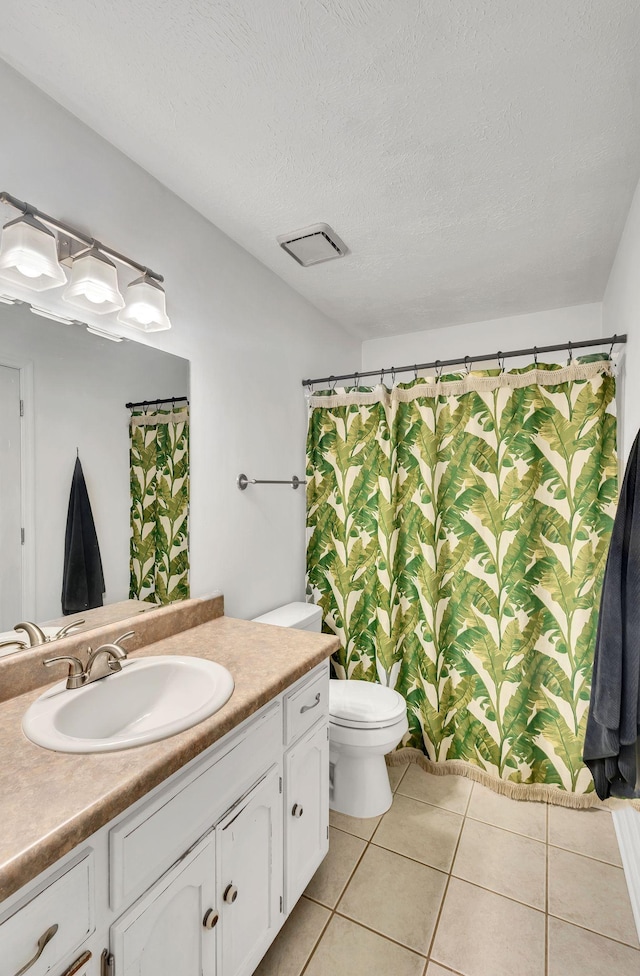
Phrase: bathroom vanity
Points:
(183, 857)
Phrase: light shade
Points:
(29, 255)
(93, 285)
(146, 306)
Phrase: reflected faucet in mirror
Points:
(36, 636)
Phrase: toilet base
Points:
(360, 786)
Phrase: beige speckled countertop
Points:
(50, 801)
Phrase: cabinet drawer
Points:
(306, 704)
(67, 902)
(145, 844)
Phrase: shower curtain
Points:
(457, 534)
(159, 458)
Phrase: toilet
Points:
(366, 721)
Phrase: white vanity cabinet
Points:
(167, 931)
(196, 878)
(306, 775)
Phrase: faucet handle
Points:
(65, 630)
(127, 636)
(76, 674)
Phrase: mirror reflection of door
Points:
(10, 500)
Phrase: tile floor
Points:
(455, 879)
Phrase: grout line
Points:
(446, 887)
(381, 935)
(590, 857)
(600, 935)
(546, 895)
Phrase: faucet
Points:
(37, 636)
(34, 633)
(105, 660)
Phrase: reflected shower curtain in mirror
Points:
(457, 535)
(159, 456)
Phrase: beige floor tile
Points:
(395, 896)
(331, 878)
(294, 944)
(576, 952)
(421, 831)
(450, 792)
(354, 825)
(589, 832)
(483, 934)
(396, 773)
(347, 949)
(433, 969)
(592, 894)
(520, 816)
(507, 863)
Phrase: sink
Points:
(152, 698)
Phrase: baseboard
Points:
(627, 824)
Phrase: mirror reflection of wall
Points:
(74, 387)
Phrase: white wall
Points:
(250, 339)
(476, 338)
(621, 313)
(81, 384)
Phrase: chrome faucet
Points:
(102, 662)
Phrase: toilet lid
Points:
(364, 705)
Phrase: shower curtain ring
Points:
(381, 377)
(438, 370)
(333, 384)
(612, 345)
(415, 373)
(467, 364)
(570, 348)
(535, 356)
(501, 362)
(393, 376)
(356, 378)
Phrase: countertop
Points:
(50, 801)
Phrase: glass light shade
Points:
(29, 255)
(146, 306)
(93, 285)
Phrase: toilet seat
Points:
(364, 705)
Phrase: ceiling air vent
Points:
(313, 245)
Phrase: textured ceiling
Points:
(478, 158)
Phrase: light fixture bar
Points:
(27, 208)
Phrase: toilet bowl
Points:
(366, 721)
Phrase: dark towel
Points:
(611, 743)
(83, 580)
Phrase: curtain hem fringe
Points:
(537, 792)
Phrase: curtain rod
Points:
(155, 403)
(467, 360)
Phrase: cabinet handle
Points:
(43, 942)
(230, 894)
(297, 810)
(76, 966)
(210, 919)
(307, 708)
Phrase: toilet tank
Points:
(300, 616)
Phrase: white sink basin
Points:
(150, 699)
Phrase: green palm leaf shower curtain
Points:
(457, 536)
(159, 456)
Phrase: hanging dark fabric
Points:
(83, 579)
(612, 748)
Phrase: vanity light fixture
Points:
(146, 306)
(35, 246)
(93, 285)
(29, 255)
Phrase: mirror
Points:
(63, 395)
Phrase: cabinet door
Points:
(164, 933)
(249, 852)
(306, 811)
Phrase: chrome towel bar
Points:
(243, 482)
